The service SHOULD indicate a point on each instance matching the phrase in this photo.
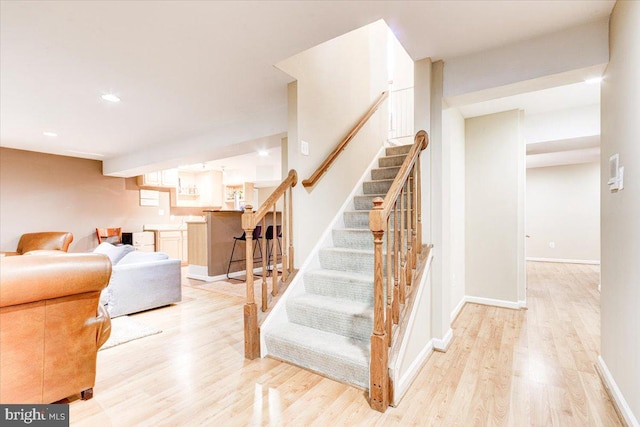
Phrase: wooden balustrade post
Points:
(379, 370)
(251, 331)
(396, 266)
(389, 283)
(402, 254)
(419, 205)
(414, 220)
(409, 259)
(265, 283)
(274, 253)
(291, 229)
(285, 235)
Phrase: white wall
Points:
(454, 136)
(337, 82)
(494, 181)
(621, 211)
(562, 124)
(440, 163)
(570, 49)
(563, 207)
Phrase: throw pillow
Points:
(115, 253)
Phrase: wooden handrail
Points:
(250, 220)
(313, 179)
(404, 201)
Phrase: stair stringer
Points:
(278, 314)
(411, 353)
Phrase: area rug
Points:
(125, 329)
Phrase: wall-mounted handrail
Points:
(404, 243)
(324, 166)
(250, 220)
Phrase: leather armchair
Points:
(47, 240)
(51, 325)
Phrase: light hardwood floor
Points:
(504, 367)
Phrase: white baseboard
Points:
(616, 394)
(566, 261)
(443, 344)
(456, 311)
(403, 383)
(515, 305)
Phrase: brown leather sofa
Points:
(51, 325)
(47, 240)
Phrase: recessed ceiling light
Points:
(51, 134)
(110, 97)
(593, 80)
(263, 153)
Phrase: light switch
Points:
(304, 148)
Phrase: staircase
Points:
(329, 325)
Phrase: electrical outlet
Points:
(552, 245)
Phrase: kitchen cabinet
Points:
(167, 178)
(171, 240)
(185, 248)
(198, 189)
(144, 241)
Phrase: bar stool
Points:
(257, 235)
(269, 236)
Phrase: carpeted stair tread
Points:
(379, 186)
(385, 173)
(398, 149)
(336, 315)
(340, 284)
(354, 238)
(336, 356)
(359, 219)
(365, 202)
(388, 161)
(346, 259)
(357, 238)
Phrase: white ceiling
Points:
(184, 69)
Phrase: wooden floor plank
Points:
(504, 367)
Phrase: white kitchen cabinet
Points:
(144, 241)
(170, 242)
(167, 178)
(173, 242)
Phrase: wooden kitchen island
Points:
(211, 243)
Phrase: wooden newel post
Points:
(251, 332)
(379, 372)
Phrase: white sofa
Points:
(139, 280)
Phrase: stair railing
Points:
(400, 216)
(250, 220)
(324, 166)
